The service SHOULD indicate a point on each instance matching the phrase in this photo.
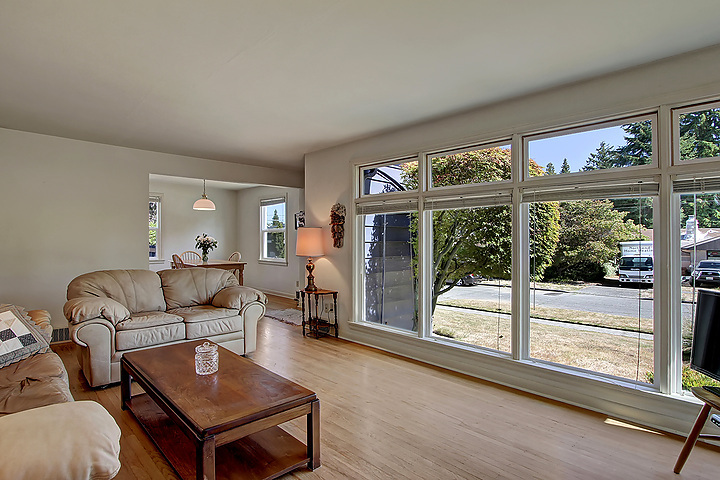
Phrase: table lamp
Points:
(309, 244)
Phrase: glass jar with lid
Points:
(206, 358)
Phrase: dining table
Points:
(236, 267)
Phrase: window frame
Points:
(157, 197)
(676, 112)
(387, 163)
(588, 127)
(660, 172)
(265, 203)
(465, 149)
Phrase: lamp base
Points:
(311, 287)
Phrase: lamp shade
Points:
(203, 203)
(309, 242)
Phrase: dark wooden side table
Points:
(318, 327)
(711, 401)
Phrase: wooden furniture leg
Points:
(334, 295)
(313, 435)
(692, 437)
(205, 463)
(125, 388)
(302, 297)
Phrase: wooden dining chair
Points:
(234, 257)
(191, 257)
(177, 261)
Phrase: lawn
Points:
(599, 352)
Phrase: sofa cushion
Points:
(146, 337)
(188, 287)
(237, 296)
(214, 327)
(202, 313)
(148, 319)
(37, 445)
(80, 309)
(34, 382)
(19, 336)
(138, 290)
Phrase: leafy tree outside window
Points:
(273, 229)
(154, 227)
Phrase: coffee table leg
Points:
(125, 390)
(313, 435)
(205, 467)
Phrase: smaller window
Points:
(400, 176)
(619, 144)
(273, 230)
(489, 163)
(154, 227)
(698, 132)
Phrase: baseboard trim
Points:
(291, 296)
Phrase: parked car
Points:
(470, 279)
(707, 271)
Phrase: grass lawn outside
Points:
(619, 322)
(599, 352)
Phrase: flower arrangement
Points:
(205, 243)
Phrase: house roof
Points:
(264, 82)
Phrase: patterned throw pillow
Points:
(19, 338)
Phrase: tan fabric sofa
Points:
(116, 311)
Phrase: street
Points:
(599, 299)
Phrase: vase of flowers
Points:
(205, 243)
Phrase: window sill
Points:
(281, 263)
(157, 261)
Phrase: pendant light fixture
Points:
(203, 203)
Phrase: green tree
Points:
(277, 238)
(590, 231)
(479, 240)
(565, 166)
(700, 134)
(550, 169)
(604, 157)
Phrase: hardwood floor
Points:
(386, 417)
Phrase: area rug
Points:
(289, 316)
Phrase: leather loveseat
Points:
(44, 433)
(116, 311)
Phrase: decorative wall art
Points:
(299, 219)
(337, 222)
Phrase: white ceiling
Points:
(264, 81)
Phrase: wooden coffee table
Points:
(224, 423)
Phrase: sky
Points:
(575, 147)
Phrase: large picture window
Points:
(591, 305)
(389, 269)
(571, 266)
(273, 230)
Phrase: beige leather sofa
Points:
(116, 311)
(44, 433)
(35, 381)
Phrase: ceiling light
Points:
(203, 203)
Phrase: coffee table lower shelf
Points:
(262, 455)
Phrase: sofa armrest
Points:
(237, 296)
(41, 318)
(81, 309)
(74, 440)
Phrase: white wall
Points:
(277, 279)
(328, 179)
(71, 207)
(180, 224)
